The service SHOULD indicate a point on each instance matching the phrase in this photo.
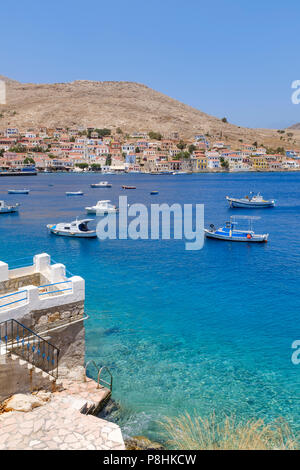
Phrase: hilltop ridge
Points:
(129, 105)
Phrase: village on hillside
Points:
(79, 149)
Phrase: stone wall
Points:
(12, 285)
(17, 378)
(57, 325)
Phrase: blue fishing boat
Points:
(153, 192)
(229, 232)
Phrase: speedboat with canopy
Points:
(77, 228)
(251, 202)
(229, 231)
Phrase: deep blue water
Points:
(181, 330)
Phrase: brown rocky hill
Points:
(128, 105)
(295, 126)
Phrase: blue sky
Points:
(233, 58)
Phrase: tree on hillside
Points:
(82, 165)
(192, 148)
(28, 160)
(108, 160)
(155, 135)
(181, 145)
(224, 163)
(18, 148)
(224, 119)
(182, 155)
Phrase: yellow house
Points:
(201, 163)
(259, 162)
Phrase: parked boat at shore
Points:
(230, 233)
(77, 228)
(102, 208)
(6, 208)
(101, 184)
(18, 191)
(250, 202)
(74, 193)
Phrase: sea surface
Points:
(197, 331)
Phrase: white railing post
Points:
(41, 262)
(3, 271)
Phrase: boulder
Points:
(42, 395)
(22, 402)
(142, 443)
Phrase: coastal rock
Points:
(42, 395)
(142, 443)
(22, 402)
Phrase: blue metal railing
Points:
(28, 345)
(48, 291)
(21, 292)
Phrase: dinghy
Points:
(18, 191)
(74, 193)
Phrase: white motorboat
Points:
(74, 193)
(77, 228)
(230, 233)
(18, 191)
(101, 184)
(250, 202)
(6, 208)
(102, 208)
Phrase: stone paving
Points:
(59, 424)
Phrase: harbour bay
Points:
(180, 331)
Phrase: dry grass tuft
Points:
(192, 433)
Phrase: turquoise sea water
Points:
(181, 330)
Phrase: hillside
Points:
(128, 105)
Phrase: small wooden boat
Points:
(77, 229)
(230, 233)
(74, 193)
(128, 187)
(6, 208)
(250, 202)
(18, 191)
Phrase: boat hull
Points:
(8, 210)
(100, 211)
(101, 185)
(15, 191)
(237, 237)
